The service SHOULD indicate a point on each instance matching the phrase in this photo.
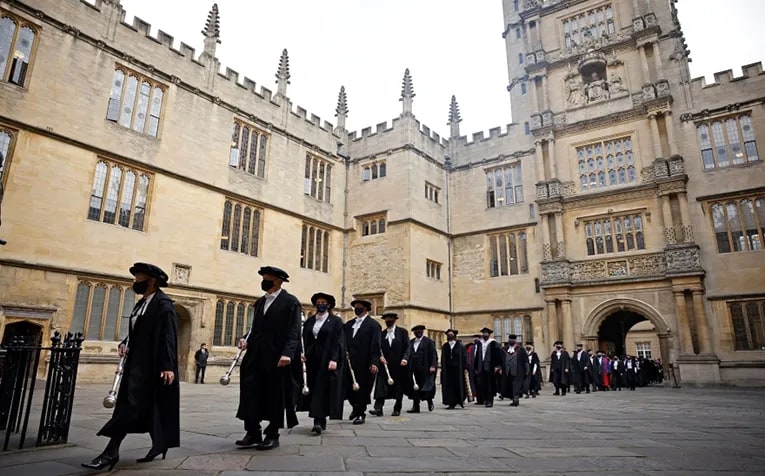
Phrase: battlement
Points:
(749, 71)
(382, 128)
(500, 142)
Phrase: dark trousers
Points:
(271, 431)
(396, 406)
(200, 373)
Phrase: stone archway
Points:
(31, 332)
(626, 312)
(185, 372)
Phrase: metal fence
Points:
(19, 362)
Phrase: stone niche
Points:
(594, 80)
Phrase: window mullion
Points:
(12, 51)
(105, 310)
(742, 223)
(105, 191)
(118, 326)
(136, 184)
(88, 307)
(728, 229)
(136, 99)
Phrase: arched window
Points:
(16, 42)
(374, 171)
(366, 174)
(383, 170)
(365, 229)
(373, 228)
(381, 226)
(229, 329)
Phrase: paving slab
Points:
(267, 462)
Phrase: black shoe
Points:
(376, 412)
(151, 455)
(102, 461)
(352, 416)
(527, 396)
(430, 405)
(316, 429)
(451, 407)
(515, 403)
(250, 439)
(324, 426)
(396, 413)
(462, 405)
(268, 444)
(489, 404)
(195, 381)
(533, 395)
(414, 410)
(359, 420)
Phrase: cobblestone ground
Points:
(651, 431)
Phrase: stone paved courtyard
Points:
(659, 431)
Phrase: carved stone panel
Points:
(683, 260)
(181, 273)
(555, 272)
(546, 252)
(688, 233)
(649, 92)
(662, 88)
(647, 174)
(542, 192)
(676, 165)
(617, 268)
(561, 250)
(669, 235)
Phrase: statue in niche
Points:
(574, 89)
(596, 89)
(615, 84)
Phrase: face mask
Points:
(528, 349)
(358, 311)
(389, 323)
(266, 285)
(321, 308)
(557, 347)
(418, 334)
(511, 343)
(485, 337)
(140, 287)
(450, 337)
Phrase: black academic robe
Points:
(483, 367)
(514, 370)
(144, 403)
(325, 387)
(534, 378)
(618, 373)
(560, 369)
(453, 367)
(363, 352)
(393, 354)
(265, 390)
(419, 363)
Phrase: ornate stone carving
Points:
(683, 260)
(676, 165)
(588, 270)
(542, 191)
(547, 118)
(638, 24)
(555, 272)
(615, 84)
(646, 265)
(553, 189)
(559, 120)
(650, 20)
(649, 92)
(660, 169)
(546, 252)
(688, 233)
(647, 174)
(588, 44)
(596, 89)
(536, 121)
(561, 251)
(568, 189)
(669, 235)
(662, 89)
(181, 273)
(617, 196)
(574, 92)
(530, 58)
(640, 266)
(686, 116)
(617, 268)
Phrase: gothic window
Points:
(507, 254)
(240, 228)
(504, 186)
(739, 224)
(119, 195)
(605, 164)
(518, 33)
(17, 40)
(318, 178)
(374, 171)
(373, 226)
(314, 248)
(727, 141)
(748, 324)
(523, 89)
(643, 350)
(249, 146)
(526, 128)
(218, 328)
(433, 269)
(588, 26)
(431, 192)
(518, 325)
(135, 98)
(520, 58)
(6, 136)
(614, 234)
(99, 309)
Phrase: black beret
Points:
(151, 270)
(453, 331)
(274, 271)
(529, 343)
(418, 327)
(558, 342)
(512, 336)
(579, 345)
(487, 331)
(392, 315)
(327, 297)
(363, 302)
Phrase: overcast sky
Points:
(450, 46)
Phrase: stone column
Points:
(568, 325)
(532, 88)
(657, 59)
(552, 325)
(673, 150)
(644, 65)
(560, 245)
(545, 95)
(669, 227)
(552, 162)
(702, 323)
(684, 326)
(546, 247)
(655, 136)
(685, 216)
(540, 161)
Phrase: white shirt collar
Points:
(273, 294)
(322, 316)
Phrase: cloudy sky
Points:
(450, 46)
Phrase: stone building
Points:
(624, 192)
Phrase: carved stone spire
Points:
(212, 30)
(341, 112)
(454, 118)
(283, 74)
(407, 94)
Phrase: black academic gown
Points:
(325, 396)
(560, 369)
(363, 351)
(486, 382)
(265, 390)
(534, 378)
(453, 366)
(393, 354)
(419, 363)
(144, 403)
(514, 371)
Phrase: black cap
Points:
(151, 270)
(366, 304)
(529, 343)
(418, 327)
(453, 331)
(391, 315)
(327, 297)
(512, 337)
(579, 345)
(274, 271)
(486, 330)
(558, 342)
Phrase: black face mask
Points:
(140, 287)
(557, 347)
(449, 337)
(528, 349)
(358, 310)
(389, 324)
(321, 308)
(418, 334)
(485, 337)
(511, 343)
(266, 284)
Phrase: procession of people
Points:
(294, 364)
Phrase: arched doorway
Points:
(608, 324)
(29, 332)
(184, 343)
